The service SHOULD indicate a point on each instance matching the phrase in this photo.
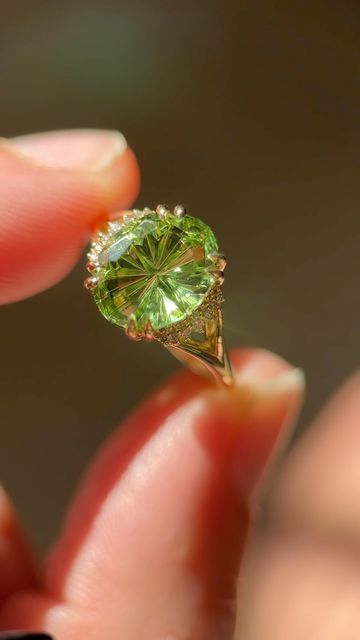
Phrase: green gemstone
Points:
(155, 270)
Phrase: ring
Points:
(158, 274)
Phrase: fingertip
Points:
(221, 425)
(121, 182)
(162, 496)
(258, 415)
(47, 207)
(255, 364)
(319, 486)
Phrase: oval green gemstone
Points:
(155, 270)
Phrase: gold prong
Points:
(149, 331)
(179, 211)
(219, 261)
(91, 283)
(131, 329)
(218, 275)
(91, 266)
(162, 210)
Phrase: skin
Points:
(161, 542)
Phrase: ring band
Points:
(158, 274)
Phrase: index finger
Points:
(53, 186)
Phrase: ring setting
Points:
(158, 274)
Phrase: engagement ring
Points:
(158, 274)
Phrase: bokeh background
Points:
(245, 111)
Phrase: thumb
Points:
(154, 537)
(53, 186)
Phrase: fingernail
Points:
(256, 390)
(79, 149)
(281, 383)
(25, 635)
(261, 365)
(268, 420)
(277, 402)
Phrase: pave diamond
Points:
(154, 270)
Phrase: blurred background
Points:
(246, 112)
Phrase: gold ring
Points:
(158, 274)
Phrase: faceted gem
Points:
(155, 270)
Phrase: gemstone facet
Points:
(153, 271)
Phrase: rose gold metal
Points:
(131, 329)
(90, 283)
(203, 351)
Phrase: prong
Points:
(162, 210)
(149, 331)
(91, 266)
(131, 329)
(179, 211)
(147, 211)
(91, 283)
(218, 275)
(219, 260)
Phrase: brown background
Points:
(248, 112)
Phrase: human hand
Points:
(152, 545)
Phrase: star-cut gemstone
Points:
(155, 270)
